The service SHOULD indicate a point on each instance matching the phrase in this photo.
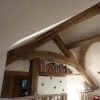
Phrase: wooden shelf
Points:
(16, 73)
(53, 74)
(27, 74)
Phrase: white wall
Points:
(92, 62)
(2, 68)
(19, 65)
(51, 85)
(51, 47)
(54, 85)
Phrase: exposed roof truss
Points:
(25, 50)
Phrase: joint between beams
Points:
(99, 4)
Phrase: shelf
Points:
(53, 74)
(17, 73)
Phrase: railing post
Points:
(65, 96)
(45, 98)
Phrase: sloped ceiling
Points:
(83, 30)
(20, 18)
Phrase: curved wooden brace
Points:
(44, 55)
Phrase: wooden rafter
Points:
(79, 66)
(45, 55)
(42, 39)
(86, 41)
(17, 52)
(83, 16)
(61, 45)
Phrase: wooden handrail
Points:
(62, 96)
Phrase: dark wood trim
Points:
(16, 73)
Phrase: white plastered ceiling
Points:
(83, 30)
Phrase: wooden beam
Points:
(62, 46)
(16, 53)
(16, 73)
(86, 41)
(42, 39)
(51, 34)
(79, 66)
(83, 16)
(38, 41)
(86, 77)
(45, 55)
(34, 75)
(83, 51)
